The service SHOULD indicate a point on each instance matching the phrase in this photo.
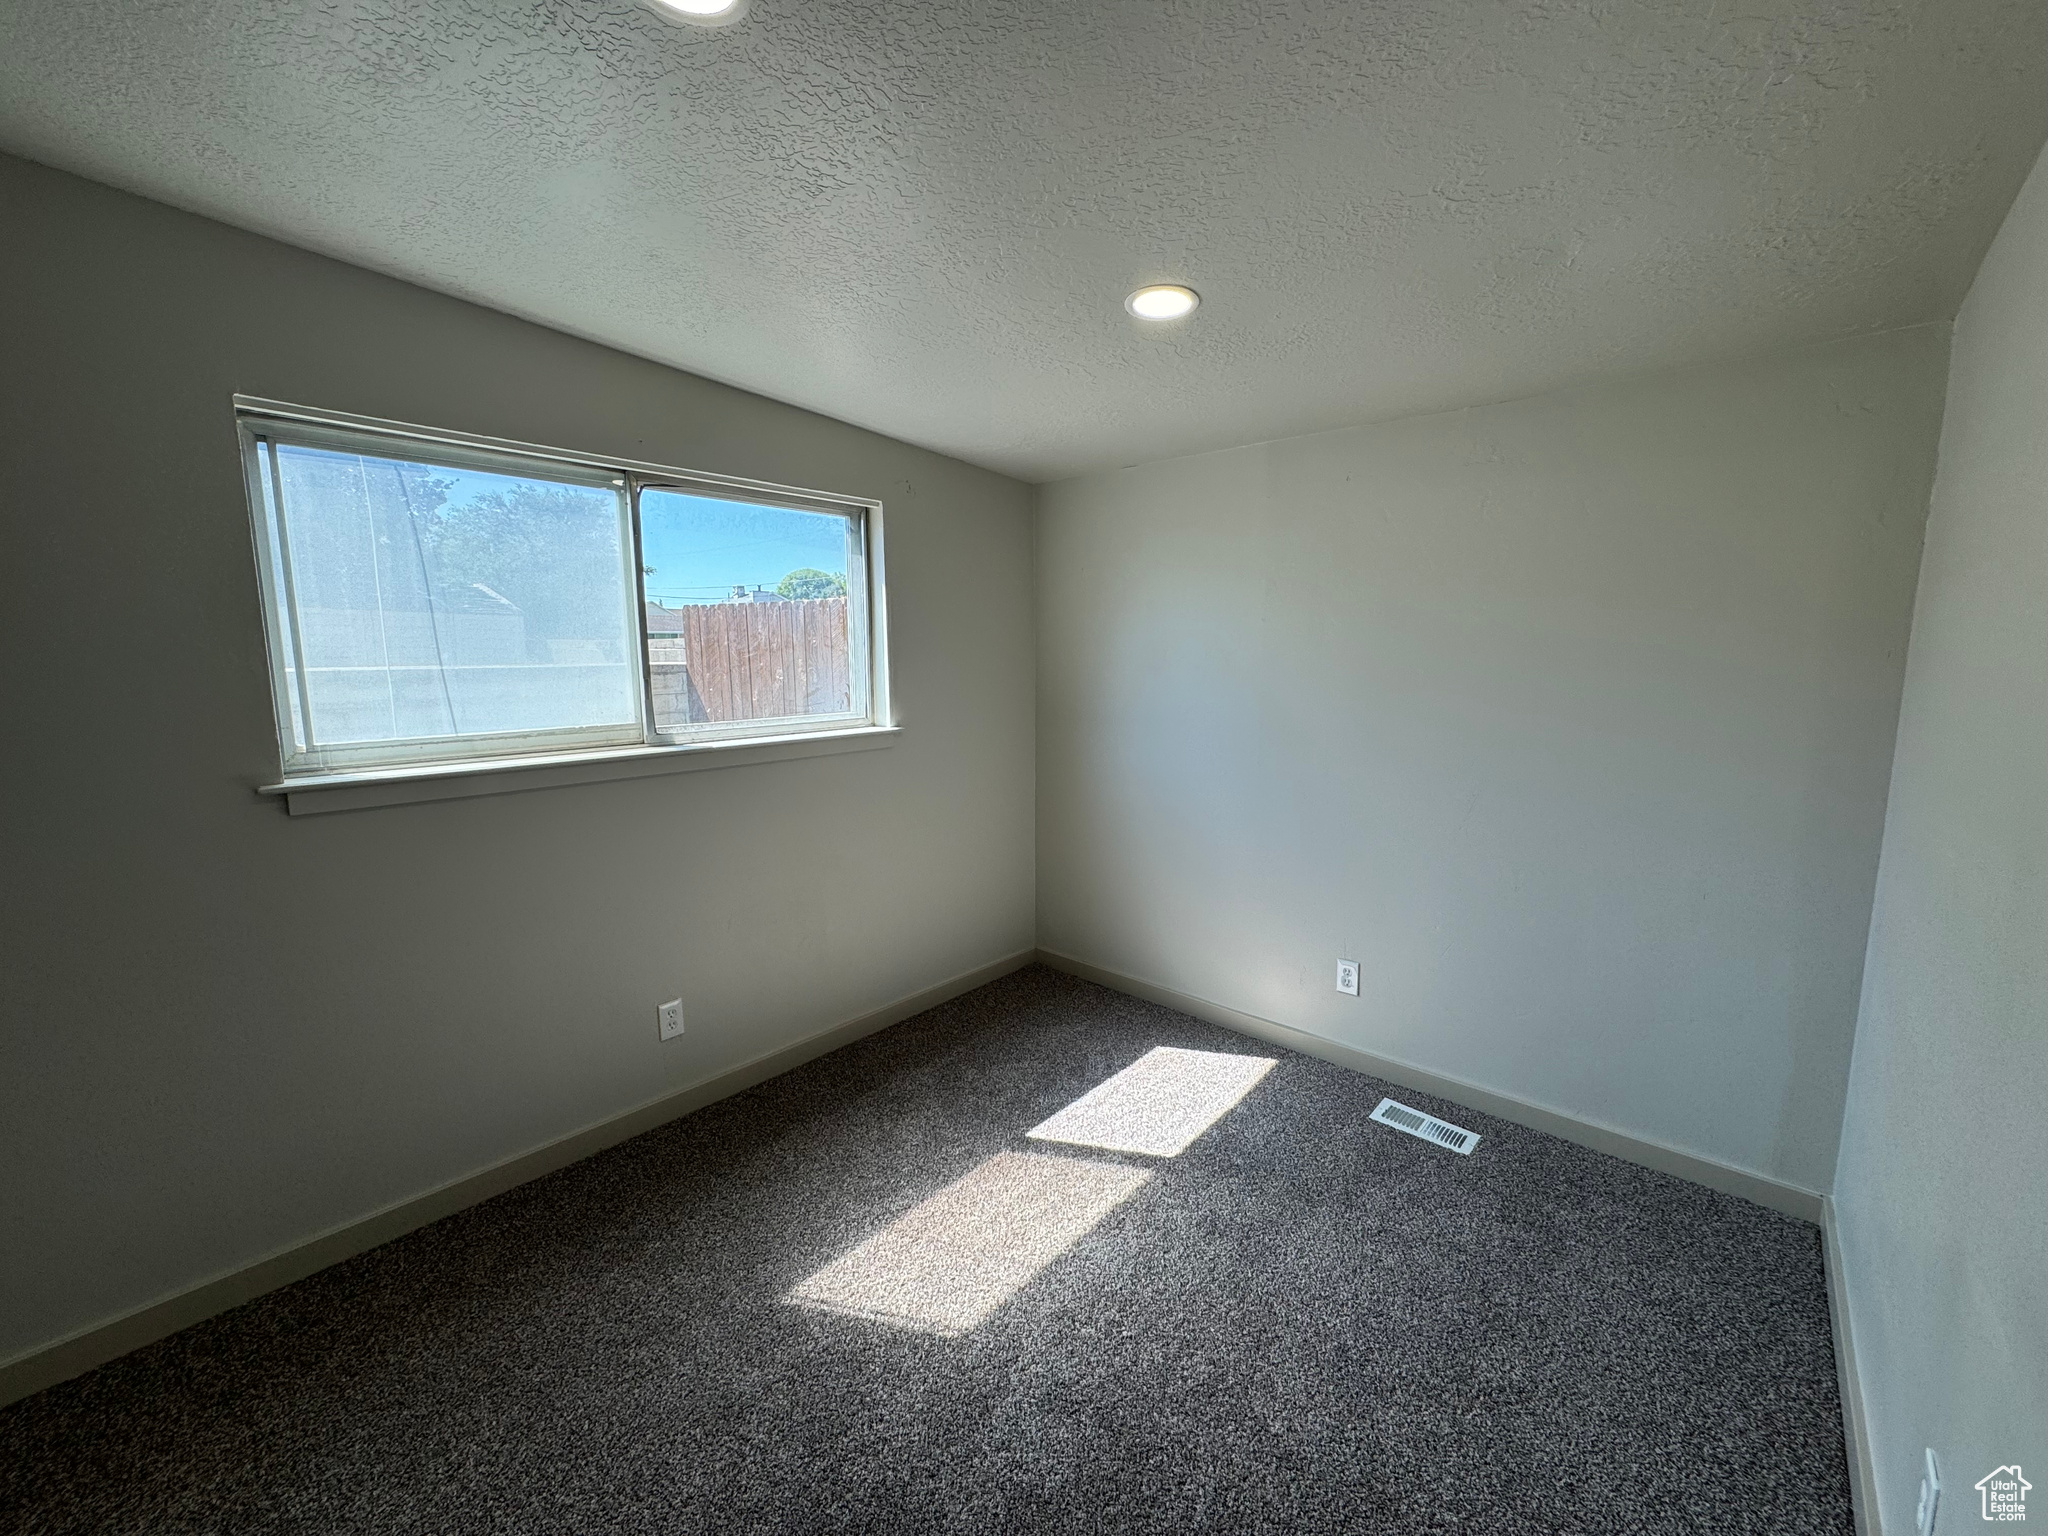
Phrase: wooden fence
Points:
(758, 661)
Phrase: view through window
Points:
(438, 600)
(747, 610)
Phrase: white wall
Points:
(1569, 717)
(1942, 1195)
(226, 1029)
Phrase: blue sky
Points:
(701, 548)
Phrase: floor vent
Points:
(1428, 1127)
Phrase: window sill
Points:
(316, 794)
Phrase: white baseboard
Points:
(1855, 1426)
(1791, 1199)
(78, 1353)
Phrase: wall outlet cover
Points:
(1347, 977)
(670, 1015)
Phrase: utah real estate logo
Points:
(2005, 1494)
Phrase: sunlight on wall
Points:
(947, 1264)
(1159, 1104)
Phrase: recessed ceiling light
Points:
(1162, 301)
(700, 13)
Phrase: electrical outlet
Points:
(670, 1016)
(1347, 977)
(1930, 1496)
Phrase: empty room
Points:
(808, 766)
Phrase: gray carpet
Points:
(1304, 1323)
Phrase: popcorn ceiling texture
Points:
(921, 217)
(1306, 1323)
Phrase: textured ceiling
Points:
(923, 217)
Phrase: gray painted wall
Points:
(228, 1029)
(1571, 718)
(1942, 1195)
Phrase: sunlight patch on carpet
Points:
(946, 1265)
(1159, 1104)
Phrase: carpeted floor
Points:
(1305, 1322)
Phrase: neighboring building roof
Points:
(471, 597)
(664, 621)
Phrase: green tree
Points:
(551, 550)
(810, 582)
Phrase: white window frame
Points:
(260, 423)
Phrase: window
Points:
(434, 598)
